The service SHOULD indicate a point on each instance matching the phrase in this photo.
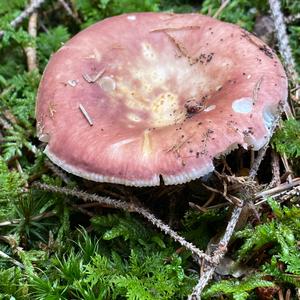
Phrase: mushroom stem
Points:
(127, 207)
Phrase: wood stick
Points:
(282, 37)
(14, 261)
(25, 14)
(31, 50)
(223, 244)
(221, 8)
(129, 207)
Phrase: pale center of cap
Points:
(165, 110)
(157, 87)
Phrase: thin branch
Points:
(69, 11)
(31, 50)
(218, 255)
(210, 200)
(57, 171)
(275, 170)
(260, 156)
(292, 18)
(12, 260)
(25, 14)
(287, 166)
(221, 8)
(223, 244)
(130, 207)
(230, 198)
(281, 191)
(197, 207)
(283, 43)
(4, 123)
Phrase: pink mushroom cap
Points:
(144, 95)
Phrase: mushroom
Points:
(141, 96)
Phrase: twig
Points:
(284, 192)
(280, 295)
(221, 8)
(217, 206)
(31, 50)
(25, 14)
(218, 255)
(222, 246)
(260, 156)
(277, 191)
(230, 198)
(5, 124)
(126, 207)
(57, 171)
(288, 295)
(283, 41)
(287, 167)
(69, 11)
(294, 192)
(15, 262)
(210, 199)
(275, 170)
(197, 207)
(292, 18)
(86, 115)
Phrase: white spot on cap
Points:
(243, 105)
(134, 117)
(107, 84)
(131, 18)
(158, 75)
(210, 108)
(268, 117)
